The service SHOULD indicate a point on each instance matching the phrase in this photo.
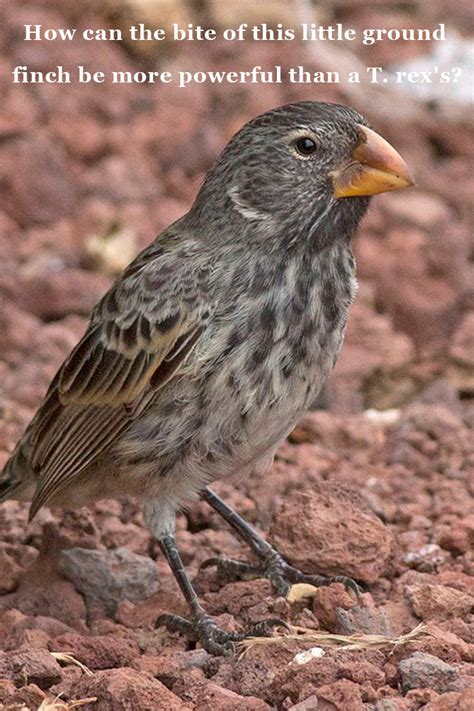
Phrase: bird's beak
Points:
(374, 167)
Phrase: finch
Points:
(202, 356)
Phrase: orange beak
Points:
(374, 167)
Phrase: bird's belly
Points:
(220, 426)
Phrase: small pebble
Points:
(308, 655)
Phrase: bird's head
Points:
(304, 168)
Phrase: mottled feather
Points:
(136, 342)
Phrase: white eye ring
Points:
(304, 143)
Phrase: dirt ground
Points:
(380, 485)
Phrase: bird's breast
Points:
(283, 340)
(254, 372)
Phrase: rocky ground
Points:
(379, 486)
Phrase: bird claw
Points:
(213, 638)
(349, 583)
(265, 628)
(176, 623)
(230, 570)
(281, 574)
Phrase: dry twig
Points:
(58, 705)
(66, 658)
(327, 639)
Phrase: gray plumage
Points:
(203, 355)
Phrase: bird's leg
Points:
(272, 565)
(201, 627)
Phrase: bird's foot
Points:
(281, 574)
(213, 638)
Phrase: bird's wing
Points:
(139, 336)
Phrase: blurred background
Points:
(89, 174)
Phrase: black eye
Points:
(305, 146)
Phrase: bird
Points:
(207, 349)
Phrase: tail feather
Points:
(16, 479)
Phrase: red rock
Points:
(241, 597)
(328, 601)
(327, 531)
(426, 310)
(371, 342)
(431, 439)
(361, 671)
(10, 621)
(399, 616)
(461, 628)
(452, 701)
(116, 534)
(44, 194)
(72, 529)
(365, 618)
(390, 704)
(197, 547)
(24, 555)
(10, 572)
(420, 697)
(141, 614)
(203, 694)
(457, 536)
(13, 518)
(119, 689)
(340, 696)
(18, 329)
(30, 667)
(438, 602)
(201, 516)
(434, 646)
(309, 704)
(27, 638)
(168, 668)
(298, 682)
(27, 697)
(213, 696)
(347, 433)
(104, 627)
(457, 579)
(56, 599)
(49, 625)
(254, 672)
(52, 294)
(97, 652)
(7, 690)
(71, 675)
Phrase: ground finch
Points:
(206, 351)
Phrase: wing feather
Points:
(135, 344)
(80, 446)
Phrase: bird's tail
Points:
(16, 479)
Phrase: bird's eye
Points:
(305, 146)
